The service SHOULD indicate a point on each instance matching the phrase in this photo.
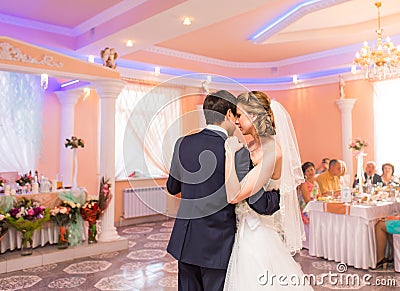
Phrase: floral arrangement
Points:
(24, 180)
(3, 225)
(74, 142)
(27, 209)
(66, 213)
(2, 182)
(91, 210)
(60, 215)
(104, 194)
(358, 145)
(26, 216)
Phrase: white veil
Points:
(288, 219)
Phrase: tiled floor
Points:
(147, 266)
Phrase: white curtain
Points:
(386, 114)
(21, 103)
(147, 126)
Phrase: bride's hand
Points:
(232, 144)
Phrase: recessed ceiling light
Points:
(187, 21)
(129, 43)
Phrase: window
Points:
(146, 128)
(386, 112)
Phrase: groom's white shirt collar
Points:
(217, 128)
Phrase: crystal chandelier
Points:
(380, 62)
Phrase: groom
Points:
(205, 226)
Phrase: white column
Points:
(68, 99)
(108, 91)
(346, 106)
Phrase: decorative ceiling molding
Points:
(97, 20)
(250, 65)
(11, 53)
(291, 16)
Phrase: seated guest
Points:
(323, 166)
(370, 174)
(309, 189)
(328, 182)
(387, 174)
(383, 233)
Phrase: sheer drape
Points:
(147, 126)
(386, 112)
(21, 103)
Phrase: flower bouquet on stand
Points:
(26, 217)
(358, 146)
(63, 216)
(90, 212)
(74, 143)
(74, 200)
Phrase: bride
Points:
(262, 253)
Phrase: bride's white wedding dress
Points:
(259, 256)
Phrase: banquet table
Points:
(346, 233)
(48, 233)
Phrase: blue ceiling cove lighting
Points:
(291, 16)
(69, 83)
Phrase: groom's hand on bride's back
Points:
(264, 202)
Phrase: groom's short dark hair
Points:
(216, 106)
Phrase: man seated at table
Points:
(384, 230)
(329, 182)
(370, 175)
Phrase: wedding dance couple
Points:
(238, 222)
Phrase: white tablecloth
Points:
(344, 238)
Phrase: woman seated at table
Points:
(384, 230)
(309, 190)
(387, 174)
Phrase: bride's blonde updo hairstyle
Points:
(258, 104)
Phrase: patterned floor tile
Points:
(166, 229)
(131, 236)
(105, 255)
(45, 268)
(159, 236)
(66, 283)
(146, 254)
(171, 267)
(156, 244)
(169, 281)
(168, 224)
(18, 282)
(116, 282)
(137, 229)
(87, 267)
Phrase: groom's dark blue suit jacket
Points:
(205, 226)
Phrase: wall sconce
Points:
(86, 93)
(129, 43)
(295, 80)
(91, 58)
(44, 81)
(157, 71)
